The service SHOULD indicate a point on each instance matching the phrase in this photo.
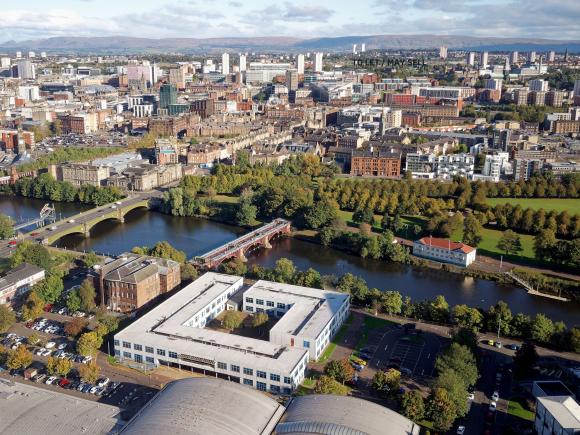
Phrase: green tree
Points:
(439, 309)
(386, 381)
(391, 302)
(321, 213)
(461, 360)
(7, 318)
(87, 295)
(327, 385)
(50, 289)
(6, 229)
(339, 370)
(232, 320)
(259, 319)
(467, 317)
(34, 338)
(165, 250)
(284, 270)
(19, 358)
(499, 315)
(33, 306)
(542, 328)
(90, 259)
(234, 267)
(452, 382)
(472, 231)
(510, 242)
(441, 409)
(413, 405)
(63, 366)
(544, 244)
(574, 340)
(89, 372)
(520, 325)
(188, 272)
(35, 254)
(526, 357)
(73, 301)
(246, 212)
(88, 343)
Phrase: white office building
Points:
(318, 62)
(577, 88)
(444, 251)
(495, 165)
(175, 333)
(483, 60)
(557, 415)
(265, 72)
(225, 63)
(514, 57)
(29, 93)
(4, 62)
(26, 70)
(18, 281)
(242, 62)
(300, 64)
(551, 56)
(470, 58)
(363, 47)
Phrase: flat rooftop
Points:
(564, 409)
(26, 409)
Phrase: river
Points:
(196, 236)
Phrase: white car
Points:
(103, 382)
(495, 396)
(71, 221)
(93, 390)
(62, 346)
(50, 380)
(493, 406)
(40, 351)
(471, 396)
(87, 359)
(460, 430)
(46, 352)
(50, 345)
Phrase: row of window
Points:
(268, 303)
(250, 372)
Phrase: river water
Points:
(195, 236)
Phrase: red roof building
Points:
(444, 251)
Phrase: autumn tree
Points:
(89, 343)
(75, 326)
(232, 319)
(327, 385)
(87, 295)
(7, 318)
(259, 319)
(339, 370)
(89, 372)
(413, 405)
(19, 358)
(440, 409)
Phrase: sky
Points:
(33, 19)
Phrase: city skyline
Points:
(554, 19)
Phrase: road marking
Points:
(386, 347)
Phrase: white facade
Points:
(443, 52)
(29, 93)
(450, 165)
(242, 62)
(557, 415)
(483, 60)
(318, 62)
(514, 57)
(4, 62)
(300, 64)
(26, 70)
(175, 333)
(532, 57)
(444, 251)
(393, 118)
(225, 63)
(19, 281)
(470, 58)
(495, 165)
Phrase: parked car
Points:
(460, 430)
(62, 346)
(493, 406)
(103, 382)
(498, 344)
(50, 380)
(512, 346)
(495, 396)
(50, 345)
(471, 396)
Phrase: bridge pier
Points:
(240, 254)
(266, 243)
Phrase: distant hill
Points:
(124, 44)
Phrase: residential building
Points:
(300, 64)
(423, 166)
(521, 96)
(375, 163)
(166, 152)
(565, 127)
(177, 77)
(318, 62)
(483, 60)
(176, 332)
(25, 70)
(451, 165)
(514, 57)
(265, 72)
(557, 415)
(443, 52)
(18, 281)
(292, 80)
(525, 168)
(79, 174)
(242, 62)
(204, 156)
(538, 85)
(444, 251)
(495, 165)
(494, 84)
(470, 58)
(555, 98)
(225, 63)
(131, 281)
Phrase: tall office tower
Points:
(4, 62)
(167, 96)
(471, 58)
(483, 59)
(31, 54)
(443, 52)
(318, 62)
(532, 57)
(154, 74)
(43, 54)
(514, 57)
(292, 79)
(26, 70)
(18, 55)
(551, 56)
(242, 62)
(225, 63)
(506, 65)
(538, 85)
(353, 48)
(363, 47)
(577, 88)
(300, 64)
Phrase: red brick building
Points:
(375, 164)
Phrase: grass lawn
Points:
(227, 199)
(408, 222)
(515, 408)
(337, 338)
(571, 205)
(488, 246)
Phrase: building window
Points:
(150, 359)
(250, 308)
(127, 345)
(160, 352)
(306, 344)
(260, 301)
(248, 371)
(249, 382)
(250, 300)
(117, 352)
(127, 354)
(261, 374)
(261, 386)
(280, 305)
(172, 355)
(235, 368)
(222, 365)
(148, 349)
(287, 380)
(275, 378)
(137, 347)
(138, 358)
(116, 342)
(269, 303)
(274, 389)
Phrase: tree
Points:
(19, 358)
(89, 372)
(441, 409)
(391, 302)
(259, 319)
(542, 328)
(75, 326)
(327, 385)
(413, 405)
(87, 294)
(6, 229)
(50, 289)
(234, 267)
(499, 315)
(73, 301)
(35, 254)
(33, 338)
(321, 213)
(284, 270)
(526, 357)
(165, 250)
(339, 370)
(520, 325)
(7, 318)
(452, 382)
(90, 259)
(63, 366)
(460, 359)
(232, 320)
(33, 306)
(439, 309)
(472, 231)
(246, 212)
(467, 317)
(386, 381)
(51, 365)
(466, 337)
(89, 343)
(188, 272)
(574, 340)
(544, 244)
(510, 242)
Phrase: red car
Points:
(34, 234)
(63, 382)
(12, 243)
